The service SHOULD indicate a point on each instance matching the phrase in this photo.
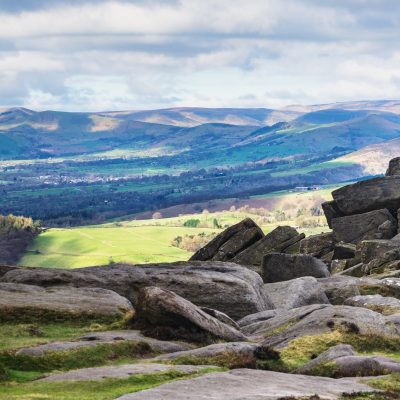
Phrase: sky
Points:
(79, 55)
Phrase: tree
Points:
(157, 215)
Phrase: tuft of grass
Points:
(106, 389)
(384, 291)
(390, 383)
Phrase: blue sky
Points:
(109, 55)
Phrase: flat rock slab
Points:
(29, 302)
(110, 337)
(245, 384)
(121, 371)
(375, 302)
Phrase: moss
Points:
(390, 383)
(384, 291)
(281, 328)
(106, 389)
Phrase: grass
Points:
(105, 389)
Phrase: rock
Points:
(120, 371)
(211, 249)
(6, 268)
(395, 319)
(283, 318)
(372, 249)
(358, 227)
(245, 349)
(279, 267)
(342, 361)
(109, 337)
(338, 266)
(339, 288)
(296, 293)
(257, 317)
(32, 303)
(356, 271)
(394, 167)
(356, 320)
(247, 384)
(277, 240)
(199, 282)
(317, 245)
(344, 251)
(375, 302)
(386, 263)
(237, 243)
(369, 195)
(221, 317)
(331, 211)
(166, 314)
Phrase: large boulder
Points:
(296, 293)
(331, 211)
(257, 317)
(394, 167)
(339, 288)
(248, 384)
(372, 249)
(377, 224)
(317, 245)
(163, 313)
(376, 302)
(369, 195)
(278, 240)
(230, 242)
(279, 267)
(226, 287)
(32, 303)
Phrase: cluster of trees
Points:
(16, 233)
(192, 243)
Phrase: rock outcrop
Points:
(226, 287)
(167, 315)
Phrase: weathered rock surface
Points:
(317, 245)
(394, 167)
(296, 293)
(29, 303)
(257, 317)
(278, 240)
(342, 361)
(6, 268)
(372, 249)
(369, 195)
(232, 240)
(227, 287)
(375, 302)
(121, 371)
(246, 384)
(355, 271)
(358, 227)
(338, 288)
(279, 267)
(168, 314)
(344, 251)
(108, 337)
(331, 211)
(221, 317)
(355, 320)
(248, 349)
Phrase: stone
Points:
(278, 240)
(199, 282)
(6, 268)
(257, 317)
(358, 227)
(356, 271)
(342, 361)
(32, 303)
(375, 302)
(165, 313)
(237, 243)
(384, 264)
(109, 337)
(248, 384)
(211, 249)
(120, 371)
(245, 349)
(394, 167)
(356, 320)
(279, 267)
(369, 195)
(296, 293)
(372, 249)
(331, 211)
(317, 245)
(344, 251)
(221, 317)
(338, 288)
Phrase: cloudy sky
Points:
(138, 54)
